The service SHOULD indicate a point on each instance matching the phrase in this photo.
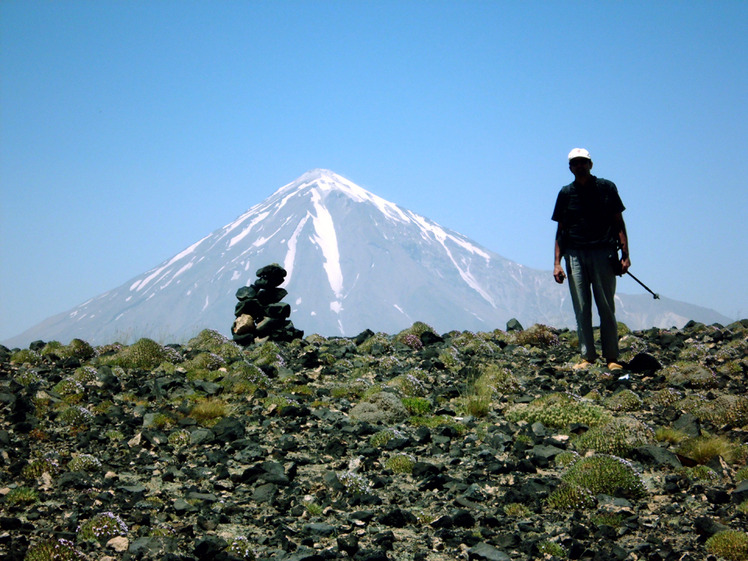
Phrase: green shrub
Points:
(614, 519)
(205, 361)
(179, 438)
(84, 462)
(209, 410)
(144, 354)
(54, 550)
(79, 349)
(22, 496)
(665, 397)
(86, 375)
(701, 473)
(558, 410)
(39, 466)
(566, 458)
(355, 483)
(671, 435)
(75, 415)
(607, 474)
(377, 344)
(400, 463)
(102, 527)
(730, 544)
(410, 384)
(70, 389)
(702, 449)
(618, 437)
(383, 436)
(538, 335)
(741, 474)
(568, 496)
(241, 548)
(551, 548)
(267, 354)
(416, 405)
(211, 341)
(624, 400)
(26, 356)
(516, 510)
(690, 374)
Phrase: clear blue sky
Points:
(129, 130)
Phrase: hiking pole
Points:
(655, 296)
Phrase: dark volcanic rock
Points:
(375, 447)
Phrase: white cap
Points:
(579, 153)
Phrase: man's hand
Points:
(558, 274)
(625, 264)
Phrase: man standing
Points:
(590, 231)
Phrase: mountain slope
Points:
(354, 261)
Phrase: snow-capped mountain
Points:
(354, 261)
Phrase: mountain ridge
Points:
(355, 261)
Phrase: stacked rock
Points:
(260, 314)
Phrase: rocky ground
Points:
(415, 446)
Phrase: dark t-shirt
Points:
(586, 214)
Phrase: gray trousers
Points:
(590, 272)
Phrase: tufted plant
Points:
(355, 483)
(26, 356)
(382, 437)
(209, 410)
(559, 410)
(54, 550)
(70, 390)
(665, 397)
(701, 473)
(86, 375)
(724, 410)
(606, 474)
(538, 335)
(566, 458)
(210, 340)
(417, 405)
(145, 354)
(551, 548)
(75, 415)
(568, 496)
(79, 349)
(84, 462)
(618, 437)
(410, 383)
(730, 544)
(102, 527)
(241, 548)
(22, 496)
(267, 354)
(702, 449)
(516, 510)
(39, 466)
(400, 463)
(689, 374)
(202, 365)
(450, 358)
(741, 474)
(377, 344)
(624, 400)
(179, 438)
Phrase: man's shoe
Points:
(614, 366)
(584, 365)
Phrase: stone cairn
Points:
(260, 314)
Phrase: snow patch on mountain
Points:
(328, 243)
